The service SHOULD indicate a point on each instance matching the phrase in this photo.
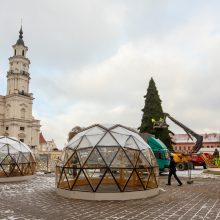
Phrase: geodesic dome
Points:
(107, 158)
(16, 159)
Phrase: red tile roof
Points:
(42, 139)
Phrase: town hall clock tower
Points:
(16, 119)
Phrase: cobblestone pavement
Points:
(37, 200)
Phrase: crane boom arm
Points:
(199, 138)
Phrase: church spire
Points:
(18, 74)
(20, 40)
(21, 33)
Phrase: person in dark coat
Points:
(172, 171)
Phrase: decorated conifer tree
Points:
(153, 110)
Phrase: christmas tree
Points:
(152, 112)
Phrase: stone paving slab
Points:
(37, 200)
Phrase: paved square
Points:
(37, 199)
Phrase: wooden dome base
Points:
(15, 178)
(107, 196)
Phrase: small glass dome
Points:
(107, 158)
(16, 159)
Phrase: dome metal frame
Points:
(107, 159)
(16, 160)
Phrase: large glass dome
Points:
(107, 158)
(16, 159)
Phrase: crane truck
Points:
(192, 158)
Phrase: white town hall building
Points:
(16, 119)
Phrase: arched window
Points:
(22, 113)
(22, 52)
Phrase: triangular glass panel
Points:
(58, 171)
(142, 162)
(71, 175)
(132, 155)
(108, 140)
(121, 160)
(22, 159)
(153, 158)
(12, 150)
(7, 160)
(2, 157)
(6, 168)
(94, 139)
(108, 184)
(130, 143)
(84, 143)
(68, 153)
(83, 155)
(149, 155)
(94, 176)
(63, 182)
(15, 171)
(108, 153)
(152, 183)
(11, 169)
(121, 130)
(144, 176)
(94, 160)
(74, 143)
(73, 161)
(15, 156)
(27, 156)
(24, 168)
(96, 131)
(29, 171)
(59, 176)
(134, 183)
(2, 173)
(4, 149)
(121, 138)
(141, 143)
(33, 166)
(156, 173)
(81, 183)
(146, 153)
(31, 158)
(121, 176)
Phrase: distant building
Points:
(16, 118)
(47, 154)
(46, 145)
(184, 144)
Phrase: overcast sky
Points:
(91, 60)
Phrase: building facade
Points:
(16, 118)
(47, 155)
(184, 144)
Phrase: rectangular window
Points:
(22, 140)
(6, 128)
(21, 128)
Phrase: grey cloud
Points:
(91, 60)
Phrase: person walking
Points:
(172, 171)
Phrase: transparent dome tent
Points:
(17, 162)
(107, 162)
